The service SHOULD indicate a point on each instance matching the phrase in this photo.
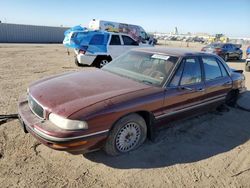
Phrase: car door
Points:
(186, 88)
(115, 47)
(217, 81)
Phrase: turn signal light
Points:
(67, 145)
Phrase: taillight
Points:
(82, 52)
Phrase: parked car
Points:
(97, 48)
(247, 67)
(225, 50)
(248, 50)
(117, 107)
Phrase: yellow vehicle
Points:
(218, 38)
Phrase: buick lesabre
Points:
(118, 107)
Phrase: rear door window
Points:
(192, 72)
(211, 68)
(129, 41)
(115, 40)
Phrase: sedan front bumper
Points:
(52, 136)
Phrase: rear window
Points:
(128, 41)
(97, 40)
(78, 35)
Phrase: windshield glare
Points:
(148, 68)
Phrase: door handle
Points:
(186, 88)
(200, 89)
(227, 83)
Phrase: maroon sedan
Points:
(117, 107)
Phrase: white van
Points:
(135, 31)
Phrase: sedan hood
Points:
(67, 93)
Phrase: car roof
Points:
(171, 51)
(222, 43)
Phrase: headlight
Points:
(67, 124)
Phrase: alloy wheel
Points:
(103, 62)
(128, 137)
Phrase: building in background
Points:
(17, 33)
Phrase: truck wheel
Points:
(127, 134)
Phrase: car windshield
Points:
(149, 68)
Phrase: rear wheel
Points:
(103, 62)
(100, 61)
(232, 97)
(128, 134)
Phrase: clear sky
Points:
(231, 17)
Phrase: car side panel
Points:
(146, 100)
(177, 99)
(115, 50)
(218, 88)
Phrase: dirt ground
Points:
(211, 150)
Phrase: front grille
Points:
(36, 108)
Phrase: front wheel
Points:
(127, 134)
(232, 97)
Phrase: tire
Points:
(103, 62)
(127, 134)
(232, 97)
(100, 61)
